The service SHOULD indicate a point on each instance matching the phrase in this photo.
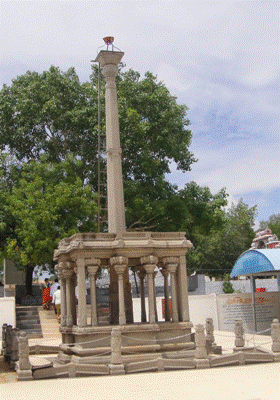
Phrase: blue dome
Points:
(254, 261)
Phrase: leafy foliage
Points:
(216, 252)
(46, 203)
(227, 285)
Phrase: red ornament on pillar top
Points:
(108, 40)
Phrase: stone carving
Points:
(200, 342)
(15, 351)
(24, 371)
(200, 351)
(275, 335)
(116, 366)
(8, 340)
(239, 334)
(4, 329)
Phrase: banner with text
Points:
(240, 306)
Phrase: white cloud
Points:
(241, 171)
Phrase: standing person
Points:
(46, 297)
(54, 287)
(57, 302)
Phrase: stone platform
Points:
(136, 339)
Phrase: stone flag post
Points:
(109, 61)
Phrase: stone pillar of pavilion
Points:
(82, 306)
(63, 309)
(171, 264)
(69, 317)
(92, 272)
(165, 274)
(109, 61)
(120, 265)
(142, 275)
(149, 263)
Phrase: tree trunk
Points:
(28, 280)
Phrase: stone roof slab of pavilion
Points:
(133, 245)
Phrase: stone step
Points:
(28, 317)
(26, 308)
(28, 320)
(26, 312)
(22, 326)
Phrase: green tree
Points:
(47, 203)
(54, 115)
(216, 252)
(273, 223)
(227, 285)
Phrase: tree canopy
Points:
(48, 172)
(216, 252)
(45, 203)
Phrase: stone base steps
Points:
(28, 320)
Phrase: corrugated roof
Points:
(254, 261)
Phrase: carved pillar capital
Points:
(119, 263)
(171, 260)
(119, 260)
(67, 273)
(164, 272)
(92, 270)
(151, 259)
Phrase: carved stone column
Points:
(120, 265)
(63, 307)
(92, 271)
(172, 263)
(109, 61)
(149, 263)
(183, 301)
(141, 274)
(200, 351)
(275, 335)
(69, 317)
(73, 285)
(165, 274)
(82, 306)
(239, 334)
(155, 297)
(116, 366)
(24, 370)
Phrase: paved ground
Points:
(250, 382)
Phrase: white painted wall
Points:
(7, 312)
(224, 314)
(202, 307)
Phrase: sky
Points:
(221, 59)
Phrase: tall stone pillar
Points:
(172, 264)
(183, 302)
(149, 263)
(155, 297)
(73, 284)
(69, 317)
(109, 61)
(63, 307)
(120, 265)
(82, 306)
(141, 275)
(165, 274)
(92, 271)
